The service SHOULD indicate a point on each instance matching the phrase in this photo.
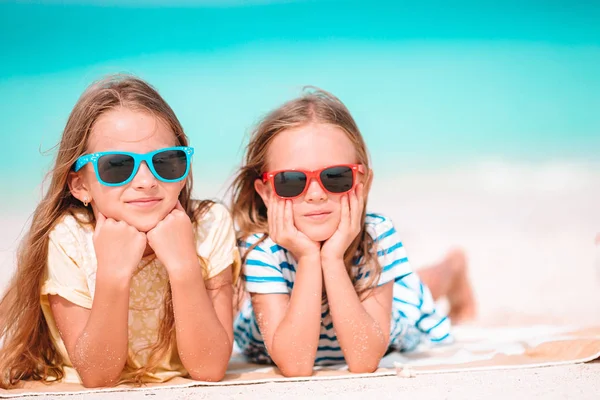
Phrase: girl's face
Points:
(310, 147)
(145, 200)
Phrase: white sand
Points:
(571, 382)
(529, 234)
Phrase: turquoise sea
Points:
(433, 84)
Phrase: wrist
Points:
(118, 280)
(182, 270)
(331, 259)
(310, 259)
(333, 267)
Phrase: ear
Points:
(78, 187)
(263, 190)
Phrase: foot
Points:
(460, 295)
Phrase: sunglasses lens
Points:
(115, 168)
(289, 183)
(170, 164)
(337, 179)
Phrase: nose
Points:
(144, 178)
(315, 192)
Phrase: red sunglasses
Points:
(292, 183)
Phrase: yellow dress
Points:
(71, 274)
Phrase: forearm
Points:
(101, 350)
(362, 339)
(296, 339)
(204, 345)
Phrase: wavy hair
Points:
(28, 352)
(248, 209)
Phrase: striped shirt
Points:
(270, 268)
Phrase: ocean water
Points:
(433, 86)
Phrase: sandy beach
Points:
(529, 234)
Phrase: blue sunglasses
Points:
(117, 168)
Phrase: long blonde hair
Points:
(248, 209)
(28, 352)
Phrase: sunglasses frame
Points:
(316, 175)
(137, 161)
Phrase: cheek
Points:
(106, 200)
(170, 193)
(336, 200)
(105, 195)
(296, 210)
(173, 189)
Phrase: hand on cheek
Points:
(283, 231)
(119, 247)
(173, 241)
(352, 205)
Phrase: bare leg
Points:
(449, 278)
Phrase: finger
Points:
(150, 236)
(144, 242)
(280, 219)
(345, 218)
(288, 216)
(271, 217)
(360, 194)
(356, 206)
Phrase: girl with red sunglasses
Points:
(328, 282)
(123, 277)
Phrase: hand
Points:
(349, 227)
(119, 246)
(173, 241)
(283, 231)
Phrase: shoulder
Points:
(258, 244)
(71, 228)
(215, 238)
(72, 236)
(218, 211)
(379, 226)
(212, 217)
(210, 212)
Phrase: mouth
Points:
(145, 203)
(317, 215)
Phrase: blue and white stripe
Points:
(269, 268)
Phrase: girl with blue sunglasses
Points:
(122, 277)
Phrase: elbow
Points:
(93, 381)
(209, 375)
(296, 370)
(364, 365)
(97, 377)
(359, 368)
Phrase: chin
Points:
(318, 234)
(145, 225)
